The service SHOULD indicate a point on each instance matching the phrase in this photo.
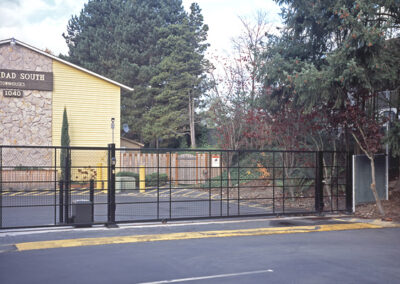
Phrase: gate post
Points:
(349, 182)
(319, 197)
(1, 186)
(111, 186)
(67, 185)
(91, 197)
(61, 207)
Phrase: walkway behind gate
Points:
(48, 186)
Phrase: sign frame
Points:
(13, 93)
(26, 80)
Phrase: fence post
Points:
(1, 187)
(238, 181)
(61, 207)
(349, 182)
(91, 197)
(67, 184)
(319, 198)
(209, 183)
(158, 184)
(111, 186)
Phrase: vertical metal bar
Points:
(316, 181)
(349, 182)
(228, 185)
(209, 183)
(273, 182)
(176, 170)
(331, 179)
(55, 186)
(61, 201)
(337, 180)
(283, 182)
(238, 182)
(220, 177)
(111, 185)
(108, 182)
(1, 186)
(69, 191)
(170, 183)
(321, 181)
(319, 199)
(91, 197)
(197, 169)
(67, 184)
(158, 183)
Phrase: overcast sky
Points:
(41, 22)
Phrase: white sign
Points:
(215, 161)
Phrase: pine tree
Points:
(180, 80)
(329, 49)
(127, 41)
(337, 56)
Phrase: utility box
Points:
(362, 179)
(82, 213)
(125, 183)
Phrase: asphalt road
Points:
(352, 256)
(42, 208)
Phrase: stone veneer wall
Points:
(26, 120)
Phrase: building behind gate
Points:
(35, 87)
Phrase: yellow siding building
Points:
(91, 103)
(35, 87)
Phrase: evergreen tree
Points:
(126, 41)
(331, 49)
(65, 142)
(337, 56)
(180, 80)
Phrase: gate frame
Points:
(65, 185)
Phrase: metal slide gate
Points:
(49, 186)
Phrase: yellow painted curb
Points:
(190, 235)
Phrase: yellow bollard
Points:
(142, 179)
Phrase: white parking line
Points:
(209, 277)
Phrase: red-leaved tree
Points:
(366, 131)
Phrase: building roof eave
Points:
(65, 62)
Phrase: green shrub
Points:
(127, 174)
(151, 179)
(245, 175)
(23, 168)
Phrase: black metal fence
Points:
(47, 186)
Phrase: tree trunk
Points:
(373, 187)
(191, 123)
(327, 186)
